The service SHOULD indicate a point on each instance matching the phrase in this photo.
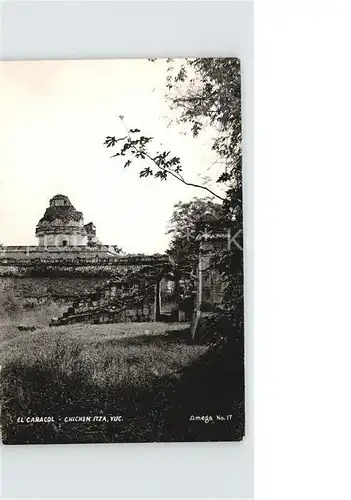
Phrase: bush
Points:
(10, 306)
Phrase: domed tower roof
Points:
(61, 217)
(60, 197)
(61, 209)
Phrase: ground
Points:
(150, 374)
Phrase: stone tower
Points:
(92, 240)
(62, 225)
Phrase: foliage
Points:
(189, 219)
(150, 376)
(10, 306)
(188, 222)
(163, 165)
(17, 311)
(205, 92)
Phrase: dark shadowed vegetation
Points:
(156, 380)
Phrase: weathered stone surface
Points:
(97, 282)
(130, 297)
(61, 225)
(76, 281)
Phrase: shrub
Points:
(10, 306)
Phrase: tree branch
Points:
(176, 176)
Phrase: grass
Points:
(38, 315)
(148, 373)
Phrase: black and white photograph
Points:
(121, 251)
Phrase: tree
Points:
(190, 219)
(188, 222)
(163, 165)
(205, 92)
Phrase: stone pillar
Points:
(209, 290)
(157, 311)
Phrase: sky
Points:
(54, 117)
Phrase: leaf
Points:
(161, 174)
(110, 141)
(127, 163)
(146, 172)
(196, 128)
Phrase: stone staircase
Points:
(130, 298)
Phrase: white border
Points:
(75, 30)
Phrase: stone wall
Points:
(50, 288)
(113, 303)
(62, 239)
(63, 275)
(129, 298)
(99, 254)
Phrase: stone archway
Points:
(167, 296)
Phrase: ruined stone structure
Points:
(91, 235)
(130, 297)
(209, 286)
(96, 283)
(62, 225)
(210, 290)
(69, 261)
(64, 276)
